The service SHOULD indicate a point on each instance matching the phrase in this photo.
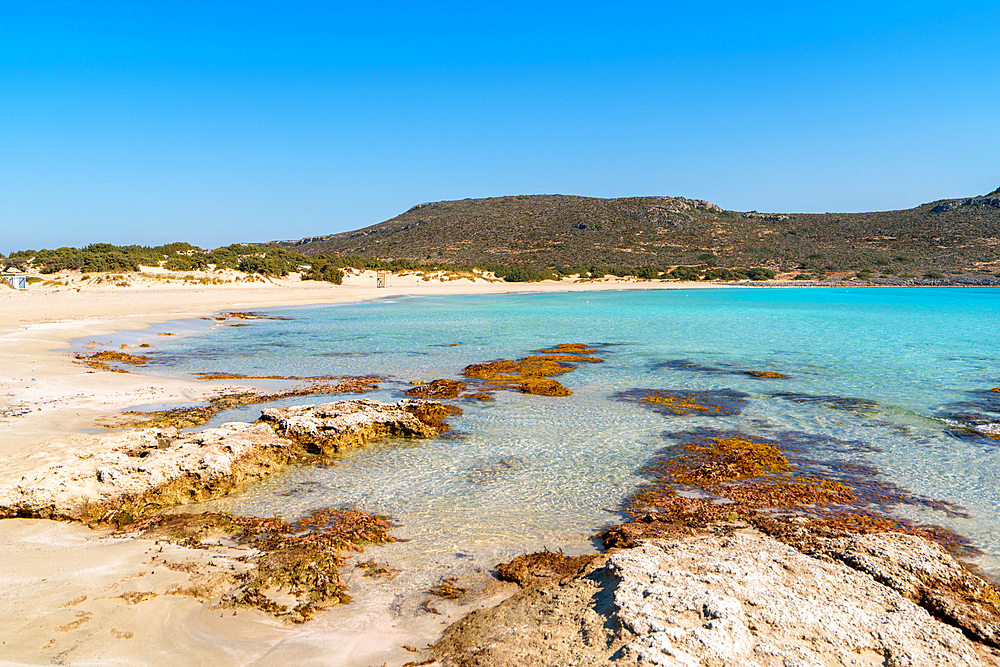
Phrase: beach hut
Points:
(15, 280)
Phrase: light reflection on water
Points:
(529, 471)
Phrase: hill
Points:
(948, 236)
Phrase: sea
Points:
(883, 382)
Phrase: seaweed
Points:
(771, 484)
(373, 568)
(434, 414)
(542, 567)
(532, 374)
(301, 558)
(242, 315)
(102, 359)
(437, 389)
(448, 589)
(713, 460)
(764, 374)
(677, 402)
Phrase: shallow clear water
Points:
(529, 471)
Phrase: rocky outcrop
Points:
(925, 573)
(736, 597)
(682, 204)
(748, 600)
(147, 468)
(773, 217)
(137, 472)
(333, 427)
(945, 207)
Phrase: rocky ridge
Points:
(138, 471)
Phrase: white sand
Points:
(47, 401)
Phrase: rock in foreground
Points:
(742, 599)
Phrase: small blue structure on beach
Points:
(16, 280)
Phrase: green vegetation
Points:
(323, 269)
(98, 257)
(648, 273)
(523, 274)
(275, 260)
(269, 259)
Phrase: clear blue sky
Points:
(216, 122)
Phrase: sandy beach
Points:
(76, 596)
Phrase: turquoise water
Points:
(529, 471)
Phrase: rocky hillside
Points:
(953, 236)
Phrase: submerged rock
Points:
(729, 599)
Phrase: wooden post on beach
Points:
(380, 279)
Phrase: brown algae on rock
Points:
(724, 459)
(533, 374)
(102, 360)
(437, 389)
(240, 315)
(750, 478)
(126, 480)
(300, 558)
(542, 567)
(764, 374)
